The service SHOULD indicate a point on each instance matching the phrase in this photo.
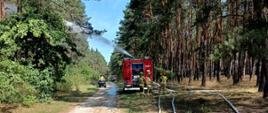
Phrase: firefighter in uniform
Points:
(149, 82)
(141, 82)
(163, 82)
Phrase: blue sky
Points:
(105, 14)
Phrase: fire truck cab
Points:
(131, 70)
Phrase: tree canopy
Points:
(39, 53)
(198, 39)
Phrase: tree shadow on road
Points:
(74, 96)
(7, 108)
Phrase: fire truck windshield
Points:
(137, 68)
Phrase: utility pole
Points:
(2, 9)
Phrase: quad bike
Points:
(102, 83)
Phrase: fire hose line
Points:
(216, 92)
(173, 105)
(229, 103)
(159, 101)
(211, 92)
(172, 102)
(173, 99)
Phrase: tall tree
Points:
(199, 38)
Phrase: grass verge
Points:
(134, 102)
(62, 103)
(52, 107)
(77, 96)
(244, 96)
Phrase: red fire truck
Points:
(132, 69)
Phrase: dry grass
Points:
(244, 96)
(134, 102)
(77, 96)
(224, 83)
(53, 107)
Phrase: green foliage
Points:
(169, 73)
(74, 76)
(36, 48)
(14, 82)
(226, 49)
(9, 92)
(45, 85)
(23, 84)
(87, 70)
(96, 61)
(64, 86)
(237, 40)
(230, 46)
(29, 100)
(32, 40)
(28, 39)
(115, 65)
(141, 33)
(254, 40)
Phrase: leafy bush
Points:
(8, 93)
(29, 100)
(13, 88)
(22, 84)
(75, 80)
(64, 86)
(44, 84)
(36, 47)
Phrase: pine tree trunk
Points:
(244, 64)
(218, 71)
(264, 71)
(231, 68)
(264, 75)
(240, 65)
(251, 68)
(191, 54)
(203, 83)
(261, 79)
(257, 72)
(236, 71)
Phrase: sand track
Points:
(103, 101)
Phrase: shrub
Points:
(75, 80)
(29, 100)
(64, 86)
(13, 88)
(23, 84)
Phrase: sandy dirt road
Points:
(104, 101)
